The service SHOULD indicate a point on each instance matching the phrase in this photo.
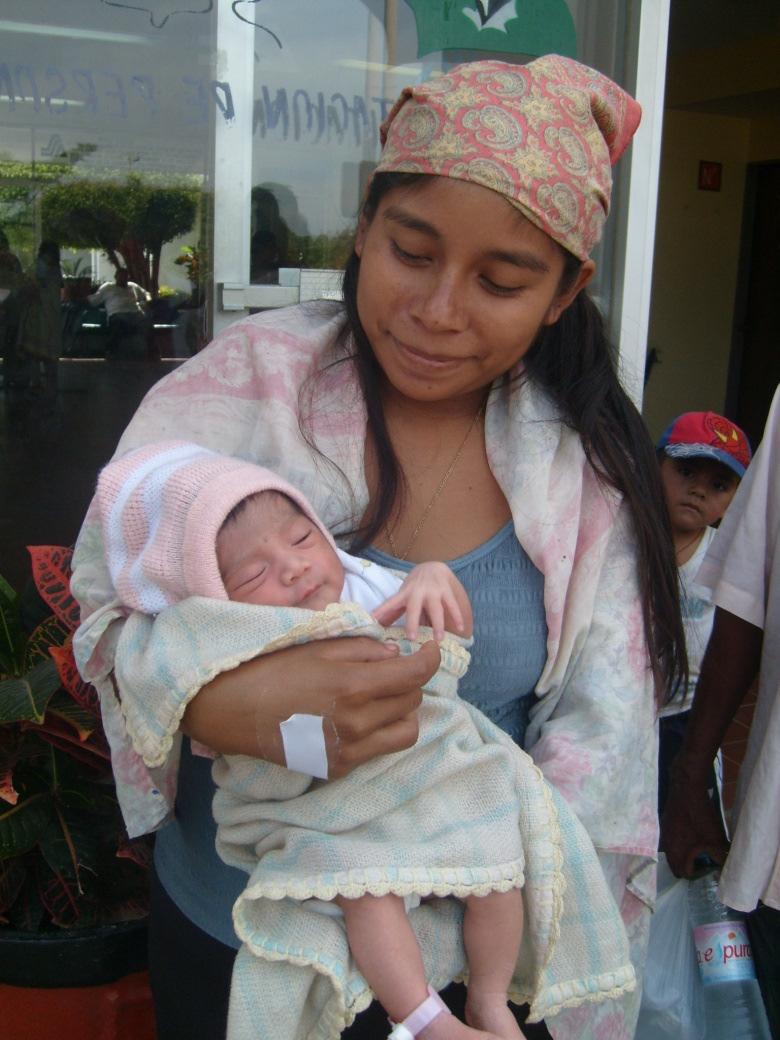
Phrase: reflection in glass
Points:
(105, 127)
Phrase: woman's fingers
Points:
(360, 648)
(344, 756)
(363, 687)
(364, 691)
(379, 715)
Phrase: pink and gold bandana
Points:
(544, 135)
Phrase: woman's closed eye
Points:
(417, 259)
(405, 255)
(499, 290)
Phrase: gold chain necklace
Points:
(439, 488)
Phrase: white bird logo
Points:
(491, 14)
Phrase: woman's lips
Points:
(425, 360)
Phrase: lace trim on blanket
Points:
(401, 881)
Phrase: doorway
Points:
(754, 367)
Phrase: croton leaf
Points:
(27, 913)
(8, 792)
(8, 596)
(10, 750)
(93, 754)
(12, 875)
(83, 693)
(63, 709)
(139, 851)
(86, 794)
(28, 697)
(129, 910)
(12, 638)
(60, 897)
(70, 844)
(22, 825)
(51, 574)
(51, 632)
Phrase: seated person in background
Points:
(126, 307)
(703, 456)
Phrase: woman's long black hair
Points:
(574, 363)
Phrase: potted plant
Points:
(73, 888)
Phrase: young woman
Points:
(462, 405)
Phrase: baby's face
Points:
(273, 555)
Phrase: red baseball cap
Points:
(707, 435)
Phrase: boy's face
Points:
(273, 555)
(697, 491)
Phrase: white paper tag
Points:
(303, 738)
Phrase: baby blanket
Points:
(463, 812)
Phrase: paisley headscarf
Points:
(544, 135)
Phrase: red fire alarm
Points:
(709, 175)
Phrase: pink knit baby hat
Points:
(543, 135)
(161, 507)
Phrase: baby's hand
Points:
(432, 595)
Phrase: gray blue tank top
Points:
(508, 655)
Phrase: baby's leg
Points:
(384, 946)
(385, 949)
(492, 931)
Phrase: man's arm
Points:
(96, 298)
(691, 825)
(141, 295)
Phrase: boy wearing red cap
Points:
(703, 457)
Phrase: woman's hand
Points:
(366, 694)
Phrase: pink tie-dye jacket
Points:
(593, 729)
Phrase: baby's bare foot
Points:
(448, 1027)
(490, 1011)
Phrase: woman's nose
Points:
(440, 306)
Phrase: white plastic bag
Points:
(672, 1001)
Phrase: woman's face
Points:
(454, 285)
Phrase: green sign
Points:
(514, 26)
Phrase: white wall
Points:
(696, 262)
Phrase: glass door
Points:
(107, 114)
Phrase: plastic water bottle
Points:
(732, 998)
